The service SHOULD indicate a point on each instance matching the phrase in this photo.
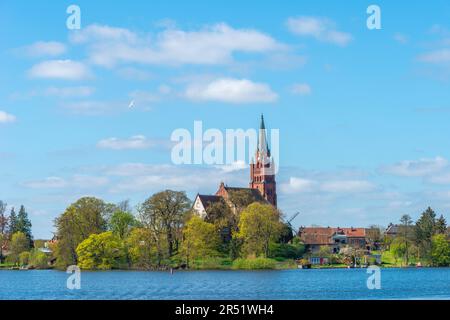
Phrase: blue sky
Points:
(363, 114)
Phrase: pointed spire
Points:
(262, 141)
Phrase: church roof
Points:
(254, 192)
(207, 200)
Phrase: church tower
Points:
(262, 173)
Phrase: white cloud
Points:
(231, 91)
(303, 185)
(302, 89)
(134, 142)
(441, 56)
(321, 29)
(211, 45)
(42, 48)
(235, 166)
(94, 108)
(6, 117)
(76, 181)
(47, 183)
(348, 186)
(60, 69)
(416, 168)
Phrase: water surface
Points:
(287, 284)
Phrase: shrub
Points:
(286, 250)
(254, 263)
(24, 258)
(38, 259)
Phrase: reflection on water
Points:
(287, 284)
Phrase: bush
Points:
(286, 251)
(254, 263)
(38, 259)
(24, 258)
(211, 263)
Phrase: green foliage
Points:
(121, 223)
(258, 226)
(211, 263)
(84, 217)
(398, 248)
(38, 259)
(24, 258)
(163, 214)
(142, 249)
(441, 225)
(440, 252)
(24, 224)
(19, 243)
(286, 251)
(201, 239)
(101, 251)
(254, 263)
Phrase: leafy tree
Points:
(142, 249)
(19, 243)
(259, 225)
(201, 239)
(241, 199)
(24, 258)
(404, 229)
(398, 248)
(163, 213)
(441, 225)
(424, 231)
(38, 259)
(84, 217)
(24, 224)
(121, 223)
(100, 251)
(440, 251)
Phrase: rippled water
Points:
(288, 284)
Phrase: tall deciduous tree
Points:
(259, 225)
(440, 251)
(201, 239)
(405, 231)
(121, 223)
(84, 217)
(19, 243)
(163, 213)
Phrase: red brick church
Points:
(262, 186)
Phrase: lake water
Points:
(203, 285)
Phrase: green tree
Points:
(38, 259)
(441, 225)
(142, 249)
(102, 251)
(84, 217)
(405, 234)
(424, 231)
(259, 225)
(19, 243)
(163, 213)
(398, 248)
(201, 239)
(24, 258)
(121, 223)
(24, 223)
(241, 199)
(440, 251)
(12, 222)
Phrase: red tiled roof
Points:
(322, 236)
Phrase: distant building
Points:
(335, 238)
(262, 186)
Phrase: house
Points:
(334, 238)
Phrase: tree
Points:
(24, 258)
(19, 243)
(259, 225)
(424, 231)
(12, 222)
(404, 229)
(121, 223)
(441, 225)
(440, 251)
(38, 259)
(24, 224)
(163, 213)
(102, 251)
(398, 248)
(142, 249)
(84, 217)
(201, 239)
(241, 199)
(3, 228)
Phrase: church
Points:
(262, 185)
